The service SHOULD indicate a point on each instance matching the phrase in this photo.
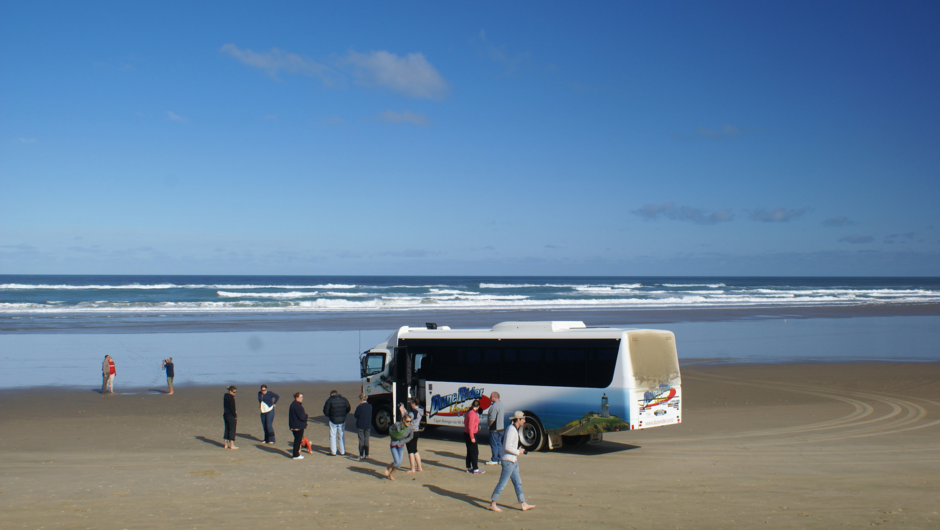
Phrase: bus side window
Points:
(420, 360)
(492, 359)
(570, 366)
(530, 367)
(471, 364)
(600, 367)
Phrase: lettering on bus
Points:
(463, 394)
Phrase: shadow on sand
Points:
(208, 441)
(473, 501)
(272, 450)
(367, 471)
(435, 463)
(589, 449)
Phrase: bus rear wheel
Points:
(382, 419)
(532, 435)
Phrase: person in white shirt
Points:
(510, 471)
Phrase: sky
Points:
(486, 138)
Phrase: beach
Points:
(794, 445)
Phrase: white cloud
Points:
(276, 61)
(411, 75)
(172, 116)
(405, 116)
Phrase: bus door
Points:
(402, 377)
(419, 385)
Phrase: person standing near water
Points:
(297, 421)
(230, 416)
(510, 471)
(267, 400)
(107, 374)
(170, 374)
(336, 409)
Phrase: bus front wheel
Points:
(383, 418)
(532, 435)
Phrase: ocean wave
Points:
(712, 285)
(454, 302)
(286, 296)
(164, 286)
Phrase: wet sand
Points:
(769, 445)
(350, 321)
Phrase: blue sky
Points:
(744, 138)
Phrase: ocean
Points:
(54, 330)
(115, 295)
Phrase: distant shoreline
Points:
(351, 321)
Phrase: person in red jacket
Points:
(107, 375)
(471, 426)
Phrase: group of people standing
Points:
(403, 434)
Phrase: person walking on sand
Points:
(170, 374)
(268, 400)
(400, 434)
(297, 421)
(471, 426)
(230, 416)
(363, 417)
(412, 446)
(510, 471)
(107, 375)
(495, 421)
(336, 409)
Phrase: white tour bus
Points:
(574, 383)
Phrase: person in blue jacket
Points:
(268, 400)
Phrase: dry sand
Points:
(760, 446)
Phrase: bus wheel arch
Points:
(532, 435)
(383, 417)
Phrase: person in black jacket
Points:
(268, 400)
(297, 421)
(230, 417)
(336, 409)
(363, 417)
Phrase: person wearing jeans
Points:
(495, 419)
(510, 464)
(268, 401)
(399, 434)
(336, 409)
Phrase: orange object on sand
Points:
(305, 444)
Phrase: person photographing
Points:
(170, 373)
